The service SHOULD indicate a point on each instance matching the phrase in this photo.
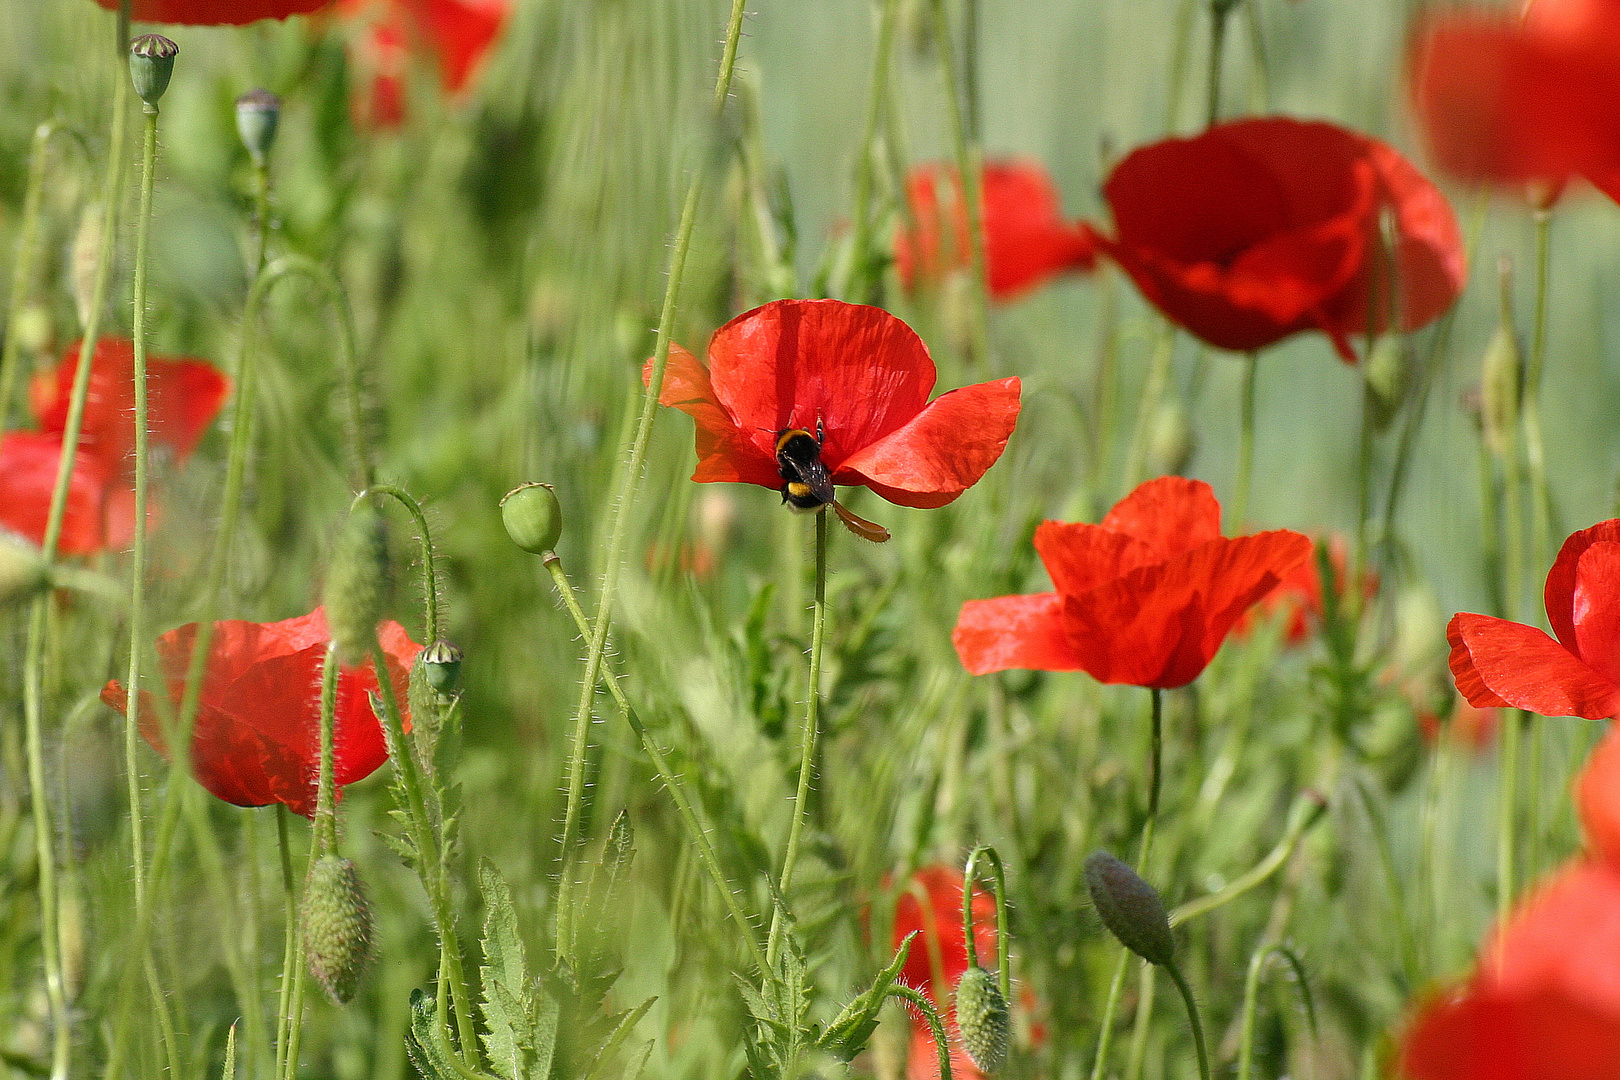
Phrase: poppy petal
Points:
(943, 450)
(461, 32)
(28, 464)
(1496, 662)
(855, 371)
(1014, 632)
(1559, 595)
(1079, 557)
(1026, 240)
(1171, 514)
(215, 12)
(1563, 939)
(1597, 793)
(725, 453)
(1597, 609)
(1494, 1035)
(1159, 626)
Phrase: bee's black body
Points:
(805, 482)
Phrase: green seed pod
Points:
(257, 113)
(151, 62)
(337, 927)
(1130, 908)
(983, 1019)
(358, 582)
(1389, 378)
(1170, 440)
(441, 662)
(1500, 387)
(533, 517)
(22, 569)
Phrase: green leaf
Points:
(620, 1033)
(420, 1042)
(543, 1022)
(401, 846)
(229, 1072)
(852, 1028)
(504, 977)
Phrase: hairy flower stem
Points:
(966, 152)
(999, 876)
(1218, 11)
(289, 950)
(22, 271)
(1245, 467)
(1174, 971)
(430, 577)
(919, 1001)
(697, 829)
(630, 477)
(807, 746)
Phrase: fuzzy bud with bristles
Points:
(1130, 908)
(533, 517)
(358, 582)
(337, 927)
(151, 62)
(257, 113)
(983, 1019)
(441, 662)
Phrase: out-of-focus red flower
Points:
(1496, 662)
(1145, 598)
(941, 943)
(1597, 795)
(456, 33)
(855, 374)
(1517, 97)
(1026, 240)
(1485, 1034)
(215, 12)
(256, 740)
(183, 396)
(1298, 597)
(1261, 228)
(1468, 726)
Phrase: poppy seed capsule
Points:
(441, 662)
(983, 1019)
(533, 517)
(1130, 908)
(337, 927)
(257, 113)
(358, 582)
(151, 62)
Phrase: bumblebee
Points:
(808, 487)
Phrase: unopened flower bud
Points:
(1388, 379)
(983, 1019)
(83, 260)
(1130, 908)
(151, 62)
(1170, 440)
(257, 112)
(1501, 379)
(358, 582)
(337, 927)
(22, 568)
(441, 662)
(533, 517)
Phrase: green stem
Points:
(1155, 766)
(261, 213)
(1530, 411)
(1507, 795)
(1306, 812)
(696, 828)
(1153, 387)
(1257, 45)
(630, 477)
(22, 273)
(326, 784)
(1174, 971)
(430, 577)
(888, 17)
(919, 1001)
(807, 745)
(1145, 999)
(1180, 54)
(970, 185)
(999, 877)
(1240, 501)
(1218, 11)
(289, 950)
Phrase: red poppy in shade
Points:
(183, 398)
(1145, 598)
(1522, 97)
(256, 740)
(1261, 228)
(1026, 240)
(1496, 662)
(457, 33)
(943, 943)
(215, 12)
(856, 375)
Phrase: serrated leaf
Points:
(761, 1009)
(622, 1031)
(638, 1061)
(510, 1033)
(504, 977)
(543, 1022)
(421, 1044)
(229, 1072)
(850, 1030)
(401, 846)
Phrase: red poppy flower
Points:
(1597, 795)
(215, 12)
(257, 735)
(1522, 97)
(1496, 662)
(457, 33)
(1026, 240)
(854, 375)
(1298, 597)
(1261, 228)
(1470, 727)
(1145, 598)
(183, 397)
(941, 942)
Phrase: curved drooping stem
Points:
(999, 877)
(430, 577)
(919, 1001)
(1174, 971)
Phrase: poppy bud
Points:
(983, 1019)
(22, 568)
(1388, 379)
(1170, 440)
(151, 62)
(85, 255)
(337, 927)
(1499, 389)
(441, 661)
(533, 517)
(257, 112)
(358, 582)
(1130, 908)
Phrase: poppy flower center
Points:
(806, 484)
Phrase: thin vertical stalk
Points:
(1153, 387)
(1530, 407)
(969, 185)
(999, 877)
(1145, 1000)
(289, 950)
(1176, 977)
(1180, 54)
(22, 272)
(1218, 11)
(888, 17)
(430, 577)
(1240, 501)
(807, 745)
(1507, 806)
(630, 477)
